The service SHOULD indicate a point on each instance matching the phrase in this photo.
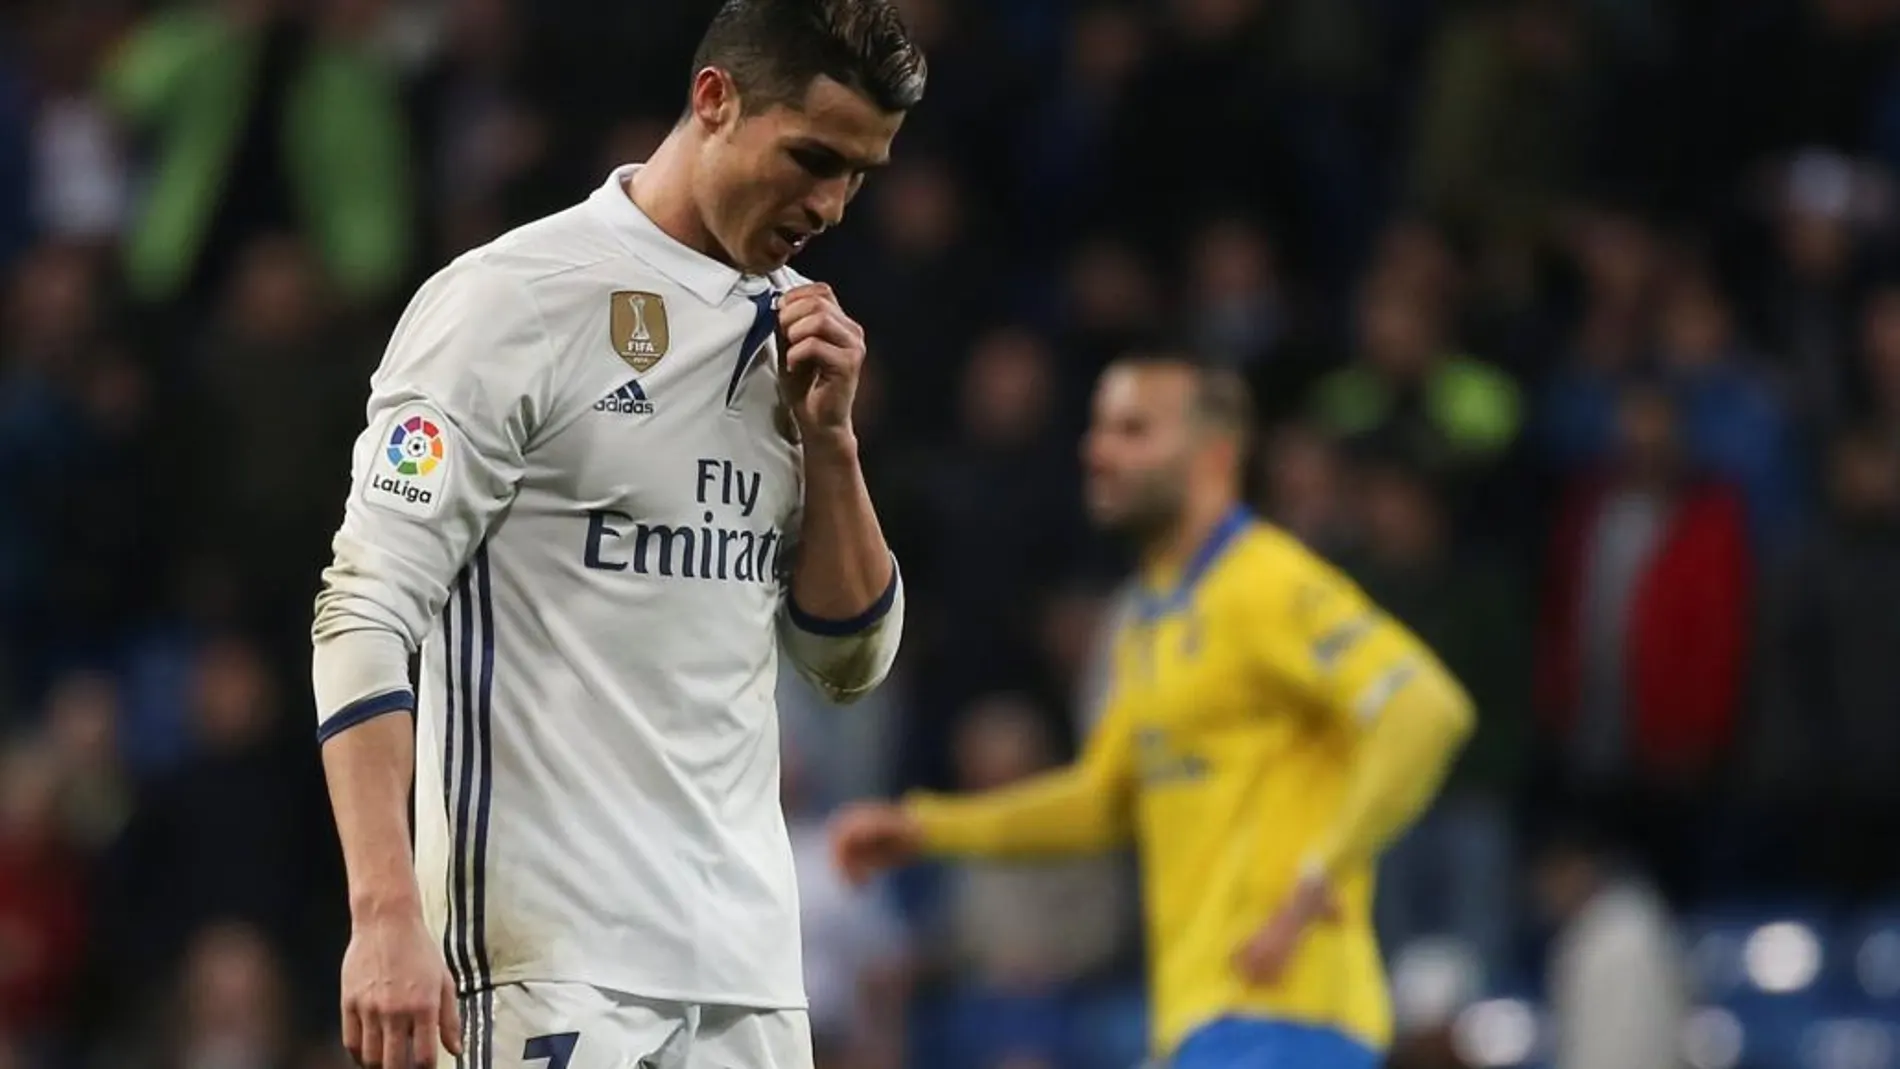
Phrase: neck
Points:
(1177, 542)
(1412, 550)
(663, 190)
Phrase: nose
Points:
(826, 206)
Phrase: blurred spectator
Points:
(1304, 489)
(1450, 874)
(1828, 737)
(1003, 517)
(1027, 929)
(1415, 256)
(17, 225)
(82, 512)
(1617, 982)
(1618, 259)
(82, 728)
(80, 185)
(1644, 631)
(856, 960)
(1821, 209)
(1204, 85)
(229, 834)
(1076, 621)
(475, 136)
(1112, 300)
(1019, 937)
(1880, 360)
(233, 1013)
(51, 312)
(275, 397)
(42, 925)
(1503, 125)
(1733, 425)
(1238, 315)
(1411, 390)
(1068, 166)
(263, 117)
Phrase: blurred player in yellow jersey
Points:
(1268, 731)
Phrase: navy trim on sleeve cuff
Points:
(856, 625)
(365, 709)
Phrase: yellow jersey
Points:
(1244, 687)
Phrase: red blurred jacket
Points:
(42, 932)
(1687, 632)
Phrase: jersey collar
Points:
(1151, 605)
(701, 275)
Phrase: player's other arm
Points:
(1361, 669)
(845, 612)
(448, 412)
(1372, 675)
(1084, 808)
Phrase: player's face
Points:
(1139, 446)
(778, 178)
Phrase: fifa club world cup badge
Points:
(637, 327)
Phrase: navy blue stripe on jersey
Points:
(450, 945)
(460, 910)
(764, 322)
(862, 622)
(631, 391)
(365, 709)
(483, 977)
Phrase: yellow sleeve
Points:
(1079, 809)
(1368, 673)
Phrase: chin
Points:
(1105, 517)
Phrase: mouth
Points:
(793, 238)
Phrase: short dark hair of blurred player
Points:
(1268, 730)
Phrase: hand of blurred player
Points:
(869, 837)
(398, 998)
(1263, 959)
(823, 351)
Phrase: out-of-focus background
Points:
(1578, 327)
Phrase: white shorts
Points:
(578, 1026)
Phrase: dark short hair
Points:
(1221, 399)
(774, 49)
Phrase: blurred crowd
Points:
(1575, 324)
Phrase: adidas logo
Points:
(629, 399)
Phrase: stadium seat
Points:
(1110, 1028)
(1768, 965)
(1867, 963)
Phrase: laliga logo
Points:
(415, 450)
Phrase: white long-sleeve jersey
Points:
(577, 495)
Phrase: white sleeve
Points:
(458, 393)
(846, 659)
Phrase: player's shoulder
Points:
(548, 256)
(1270, 568)
(1266, 554)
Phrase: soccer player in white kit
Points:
(609, 474)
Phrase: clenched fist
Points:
(868, 838)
